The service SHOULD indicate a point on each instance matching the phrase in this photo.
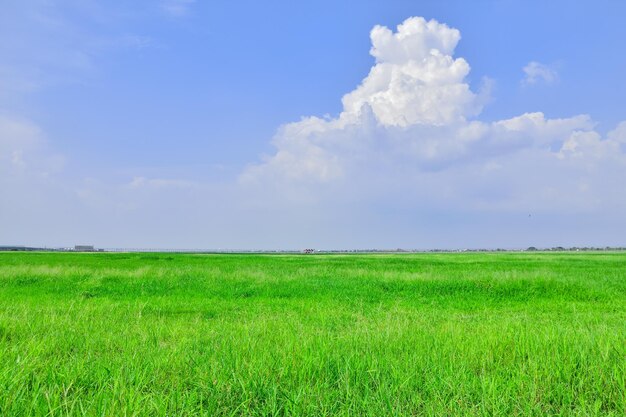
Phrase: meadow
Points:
(476, 334)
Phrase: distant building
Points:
(14, 248)
(84, 248)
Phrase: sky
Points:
(321, 124)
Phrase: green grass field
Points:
(418, 334)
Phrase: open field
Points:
(420, 334)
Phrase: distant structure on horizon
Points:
(84, 248)
(308, 250)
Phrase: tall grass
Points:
(434, 334)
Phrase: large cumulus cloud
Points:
(413, 125)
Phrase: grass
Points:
(226, 335)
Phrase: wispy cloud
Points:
(59, 43)
(177, 8)
(143, 182)
(536, 72)
(23, 150)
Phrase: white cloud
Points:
(177, 8)
(409, 134)
(45, 43)
(415, 80)
(535, 72)
(143, 182)
(23, 149)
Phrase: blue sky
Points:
(193, 124)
